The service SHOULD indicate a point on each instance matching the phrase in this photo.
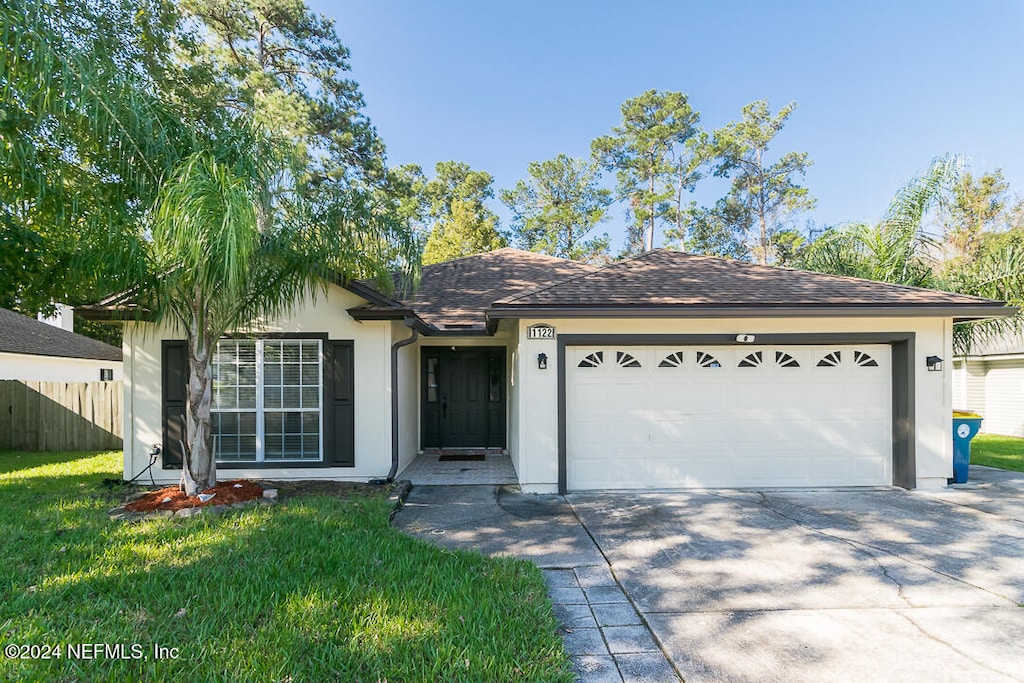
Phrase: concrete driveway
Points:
(827, 585)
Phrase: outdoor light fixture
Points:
(542, 361)
(934, 363)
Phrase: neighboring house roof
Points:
(675, 283)
(1003, 345)
(454, 295)
(21, 334)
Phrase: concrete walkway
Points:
(602, 631)
(805, 585)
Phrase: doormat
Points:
(461, 457)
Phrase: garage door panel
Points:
(591, 400)
(678, 473)
(683, 425)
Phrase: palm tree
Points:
(899, 250)
(235, 242)
(209, 224)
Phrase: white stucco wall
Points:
(55, 368)
(535, 415)
(532, 405)
(514, 359)
(372, 346)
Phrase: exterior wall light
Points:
(542, 361)
(934, 363)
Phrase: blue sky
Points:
(881, 87)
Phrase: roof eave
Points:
(404, 313)
(958, 313)
(365, 291)
(115, 314)
(484, 331)
(108, 358)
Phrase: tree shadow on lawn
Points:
(12, 461)
(306, 589)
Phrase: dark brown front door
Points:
(464, 397)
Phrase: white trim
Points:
(261, 428)
(320, 400)
(992, 357)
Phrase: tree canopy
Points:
(452, 210)
(762, 194)
(643, 151)
(974, 207)
(555, 210)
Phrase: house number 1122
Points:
(540, 332)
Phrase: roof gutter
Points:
(409, 322)
(958, 313)
(406, 314)
(115, 313)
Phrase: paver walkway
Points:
(427, 469)
(603, 634)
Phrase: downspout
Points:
(394, 395)
(128, 424)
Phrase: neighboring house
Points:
(666, 370)
(990, 381)
(36, 351)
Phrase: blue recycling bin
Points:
(964, 429)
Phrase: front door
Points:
(463, 397)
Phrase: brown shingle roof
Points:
(21, 334)
(454, 295)
(663, 278)
(461, 296)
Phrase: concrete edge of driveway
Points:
(397, 497)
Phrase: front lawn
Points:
(1006, 452)
(314, 588)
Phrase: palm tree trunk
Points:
(199, 471)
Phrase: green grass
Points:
(315, 588)
(1006, 452)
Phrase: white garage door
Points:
(728, 416)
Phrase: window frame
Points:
(261, 410)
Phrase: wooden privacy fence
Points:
(60, 416)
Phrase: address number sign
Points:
(540, 332)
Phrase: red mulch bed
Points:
(172, 498)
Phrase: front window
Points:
(267, 398)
